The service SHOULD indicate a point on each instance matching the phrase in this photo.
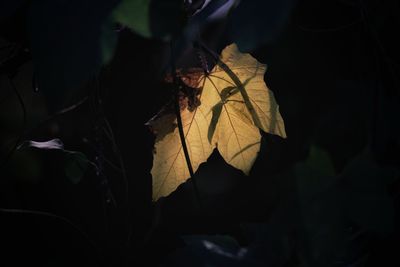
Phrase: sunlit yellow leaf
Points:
(235, 128)
(169, 165)
(235, 104)
(251, 74)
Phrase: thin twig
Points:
(57, 114)
(108, 132)
(112, 164)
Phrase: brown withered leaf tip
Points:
(190, 77)
(189, 98)
(189, 87)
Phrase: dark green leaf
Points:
(135, 14)
(152, 18)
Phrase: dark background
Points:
(334, 71)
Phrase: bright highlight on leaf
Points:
(217, 112)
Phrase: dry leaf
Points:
(228, 117)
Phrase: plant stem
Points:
(180, 128)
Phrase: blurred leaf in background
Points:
(160, 19)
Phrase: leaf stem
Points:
(180, 128)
